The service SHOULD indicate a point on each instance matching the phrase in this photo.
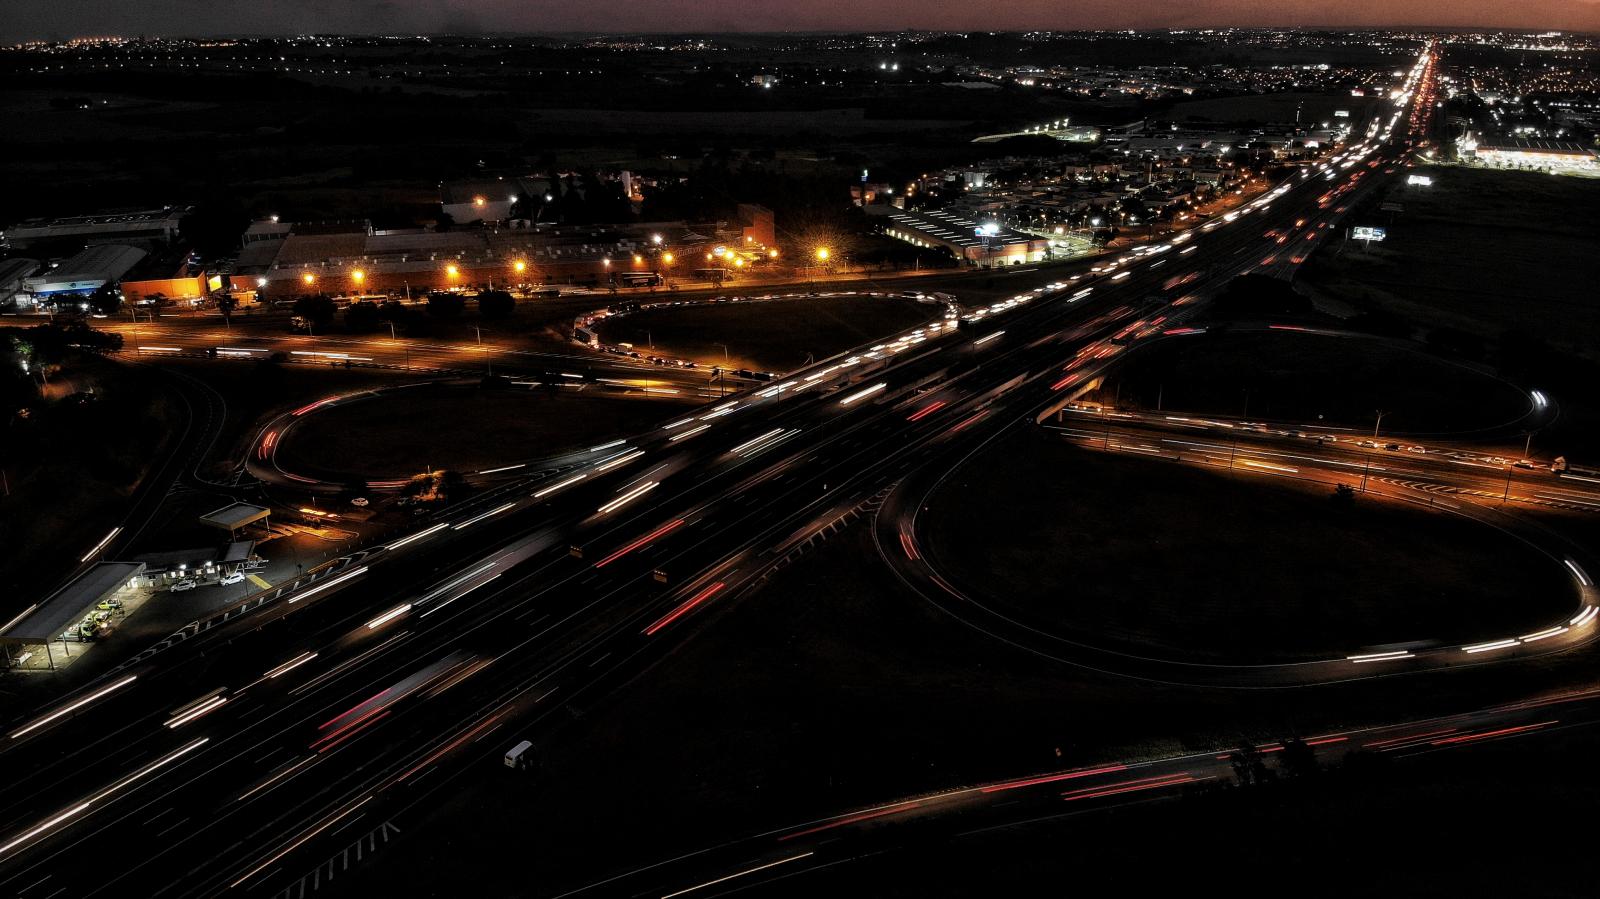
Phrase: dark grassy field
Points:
(1484, 252)
(1435, 826)
(1315, 379)
(1312, 107)
(71, 470)
(1194, 564)
(768, 336)
(462, 428)
(832, 690)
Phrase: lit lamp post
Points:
(1368, 466)
(394, 337)
(822, 255)
(357, 278)
(666, 262)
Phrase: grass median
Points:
(1183, 562)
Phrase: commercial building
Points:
(1520, 153)
(148, 229)
(12, 274)
(84, 273)
(358, 260)
(983, 244)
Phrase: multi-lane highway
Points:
(222, 760)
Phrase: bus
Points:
(638, 279)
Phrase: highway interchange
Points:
(227, 761)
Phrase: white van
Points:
(519, 756)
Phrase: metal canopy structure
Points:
(48, 619)
(238, 515)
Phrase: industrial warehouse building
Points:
(353, 258)
(12, 273)
(977, 243)
(84, 273)
(1521, 153)
(149, 229)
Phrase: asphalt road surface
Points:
(222, 762)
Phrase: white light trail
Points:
(67, 709)
(757, 441)
(781, 861)
(489, 514)
(388, 616)
(101, 545)
(290, 665)
(505, 468)
(539, 494)
(420, 535)
(203, 708)
(1583, 579)
(685, 434)
(863, 394)
(326, 584)
(629, 497)
(1380, 656)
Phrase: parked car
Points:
(234, 578)
(187, 583)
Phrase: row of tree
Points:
(320, 310)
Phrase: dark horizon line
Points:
(1352, 29)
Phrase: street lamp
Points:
(308, 279)
(823, 254)
(1368, 466)
(396, 338)
(358, 276)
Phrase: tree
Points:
(1344, 496)
(105, 301)
(496, 304)
(318, 309)
(445, 305)
(1298, 759)
(225, 305)
(1248, 767)
(362, 317)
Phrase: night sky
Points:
(30, 19)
